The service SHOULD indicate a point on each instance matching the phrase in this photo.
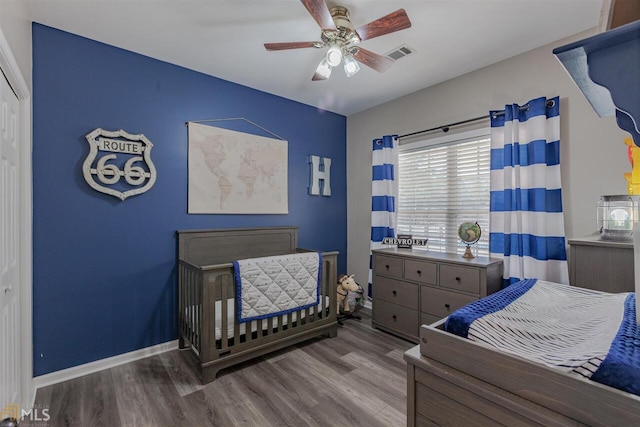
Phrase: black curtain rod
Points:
(445, 128)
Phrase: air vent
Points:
(400, 52)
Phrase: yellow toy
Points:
(345, 284)
(633, 178)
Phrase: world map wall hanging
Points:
(234, 172)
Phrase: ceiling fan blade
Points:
(289, 45)
(390, 23)
(373, 60)
(320, 12)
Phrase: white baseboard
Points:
(99, 365)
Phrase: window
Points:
(443, 182)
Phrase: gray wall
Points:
(15, 23)
(593, 155)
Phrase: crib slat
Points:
(225, 311)
(190, 292)
(195, 286)
(183, 294)
(248, 336)
(206, 332)
(180, 298)
(189, 298)
(199, 283)
(270, 325)
(236, 325)
(323, 292)
(210, 305)
(190, 307)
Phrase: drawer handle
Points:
(386, 266)
(419, 272)
(447, 306)
(457, 279)
(394, 293)
(394, 317)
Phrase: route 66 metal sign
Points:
(122, 155)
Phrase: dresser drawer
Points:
(441, 303)
(460, 278)
(442, 410)
(389, 266)
(396, 317)
(443, 402)
(427, 319)
(420, 271)
(395, 291)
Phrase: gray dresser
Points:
(602, 265)
(414, 286)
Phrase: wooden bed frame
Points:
(205, 275)
(455, 381)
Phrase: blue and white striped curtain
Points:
(527, 225)
(384, 191)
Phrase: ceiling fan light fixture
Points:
(342, 38)
(334, 56)
(324, 69)
(350, 66)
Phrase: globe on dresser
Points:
(469, 233)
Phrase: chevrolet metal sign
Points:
(404, 241)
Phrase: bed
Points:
(453, 380)
(207, 319)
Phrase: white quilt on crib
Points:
(271, 286)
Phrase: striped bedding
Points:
(579, 331)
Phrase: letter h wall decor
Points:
(320, 184)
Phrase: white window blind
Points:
(442, 183)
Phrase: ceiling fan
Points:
(342, 38)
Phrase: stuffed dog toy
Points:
(345, 284)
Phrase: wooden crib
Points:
(206, 297)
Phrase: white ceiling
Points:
(224, 38)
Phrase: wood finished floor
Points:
(356, 379)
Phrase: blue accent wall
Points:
(104, 271)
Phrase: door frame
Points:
(17, 82)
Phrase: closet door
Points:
(10, 344)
